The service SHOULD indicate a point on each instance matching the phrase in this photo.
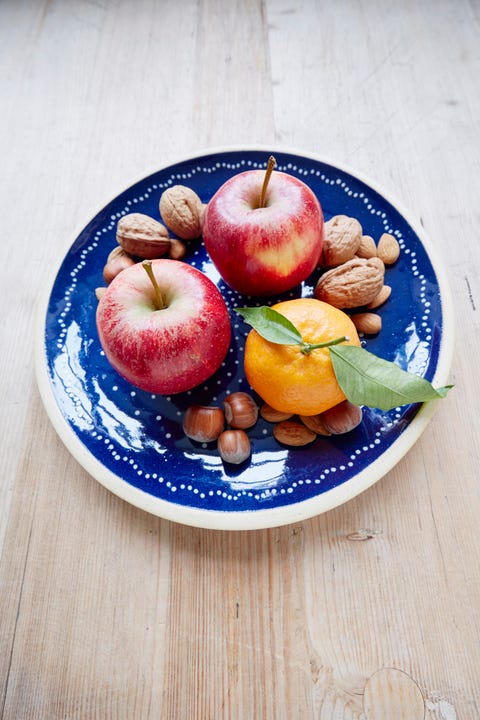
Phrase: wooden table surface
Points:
(368, 612)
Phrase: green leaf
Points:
(369, 380)
(271, 325)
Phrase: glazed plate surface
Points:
(132, 441)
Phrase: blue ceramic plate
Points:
(132, 441)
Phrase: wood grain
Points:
(367, 612)
(393, 694)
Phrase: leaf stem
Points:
(270, 166)
(160, 302)
(308, 347)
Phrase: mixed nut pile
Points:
(354, 280)
(141, 237)
(206, 424)
(355, 277)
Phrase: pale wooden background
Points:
(107, 612)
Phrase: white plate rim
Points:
(285, 514)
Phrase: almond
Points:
(381, 298)
(367, 323)
(116, 253)
(182, 211)
(352, 284)
(367, 247)
(388, 249)
(178, 249)
(117, 261)
(99, 291)
(201, 214)
(142, 236)
(269, 414)
(291, 432)
(341, 238)
(315, 423)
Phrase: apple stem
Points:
(160, 303)
(268, 172)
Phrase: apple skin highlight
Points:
(262, 251)
(168, 350)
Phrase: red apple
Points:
(165, 333)
(264, 233)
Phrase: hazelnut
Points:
(241, 410)
(315, 423)
(342, 418)
(203, 423)
(234, 446)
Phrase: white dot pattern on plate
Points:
(236, 381)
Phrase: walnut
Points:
(341, 240)
(182, 211)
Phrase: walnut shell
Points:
(342, 236)
(142, 236)
(182, 211)
(352, 284)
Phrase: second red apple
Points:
(167, 333)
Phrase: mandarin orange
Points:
(285, 377)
